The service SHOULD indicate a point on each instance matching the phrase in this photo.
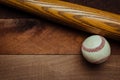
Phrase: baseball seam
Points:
(95, 49)
(101, 60)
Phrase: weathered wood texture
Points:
(57, 67)
(22, 33)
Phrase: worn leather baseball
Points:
(96, 49)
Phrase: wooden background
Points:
(23, 33)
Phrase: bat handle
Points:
(78, 16)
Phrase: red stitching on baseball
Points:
(101, 60)
(95, 49)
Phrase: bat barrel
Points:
(78, 16)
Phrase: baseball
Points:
(96, 49)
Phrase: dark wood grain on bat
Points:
(107, 6)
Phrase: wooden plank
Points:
(57, 67)
(32, 36)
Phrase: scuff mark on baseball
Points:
(96, 49)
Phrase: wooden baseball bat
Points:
(78, 16)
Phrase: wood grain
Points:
(57, 67)
(81, 17)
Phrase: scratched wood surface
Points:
(23, 33)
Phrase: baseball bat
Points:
(81, 17)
